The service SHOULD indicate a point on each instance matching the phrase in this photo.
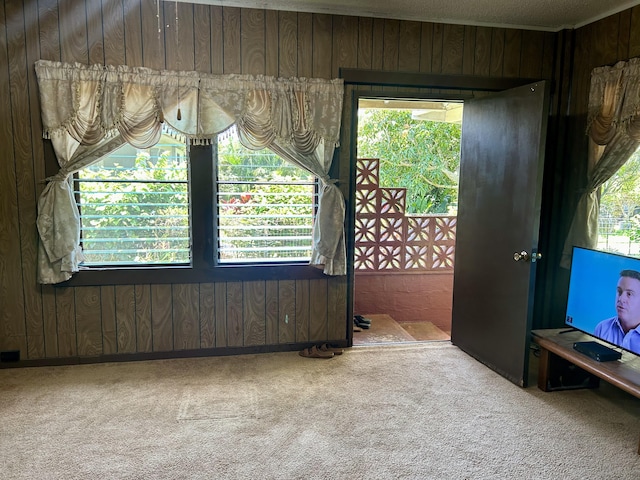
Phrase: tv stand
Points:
(562, 367)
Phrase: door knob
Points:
(525, 257)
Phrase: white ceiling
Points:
(550, 15)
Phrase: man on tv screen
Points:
(624, 328)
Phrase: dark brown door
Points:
(502, 156)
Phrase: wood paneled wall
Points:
(46, 322)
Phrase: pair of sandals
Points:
(361, 322)
(321, 351)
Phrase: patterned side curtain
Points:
(88, 111)
(614, 134)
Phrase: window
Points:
(135, 209)
(619, 214)
(265, 205)
(134, 206)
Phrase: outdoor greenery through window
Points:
(619, 214)
(420, 155)
(134, 206)
(265, 205)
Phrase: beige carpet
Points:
(416, 411)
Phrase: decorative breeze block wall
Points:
(389, 240)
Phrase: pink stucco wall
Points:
(406, 298)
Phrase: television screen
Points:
(604, 297)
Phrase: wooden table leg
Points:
(543, 370)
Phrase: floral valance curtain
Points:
(614, 134)
(90, 110)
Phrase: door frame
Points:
(360, 83)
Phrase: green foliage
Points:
(421, 156)
(619, 213)
(141, 218)
(270, 214)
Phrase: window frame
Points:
(203, 268)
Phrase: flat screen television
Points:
(604, 297)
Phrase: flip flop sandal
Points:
(325, 347)
(313, 352)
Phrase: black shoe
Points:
(364, 325)
(362, 319)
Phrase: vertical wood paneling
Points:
(235, 328)
(365, 42)
(32, 172)
(217, 41)
(153, 41)
(318, 309)
(126, 318)
(469, 48)
(271, 312)
(253, 42)
(48, 31)
(482, 62)
(452, 49)
(202, 38)
(50, 321)
(144, 331)
(286, 311)
(624, 32)
(271, 43)
(13, 329)
(73, 31)
(391, 48)
(322, 31)
(305, 45)
(606, 49)
(345, 44)
(161, 318)
(66, 315)
(377, 46)
(634, 35)
(426, 47)
(548, 55)
(113, 25)
(532, 52)
(108, 316)
(512, 46)
(133, 34)
(207, 316)
(409, 46)
(497, 52)
(302, 310)
(287, 44)
(220, 305)
(336, 313)
(95, 35)
(88, 320)
(186, 330)
(231, 39)
(254, 313)
(436, 48)
(179, 40)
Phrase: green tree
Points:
(421, 156)
(138, 214)
(620, 201)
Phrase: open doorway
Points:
(408, 158)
